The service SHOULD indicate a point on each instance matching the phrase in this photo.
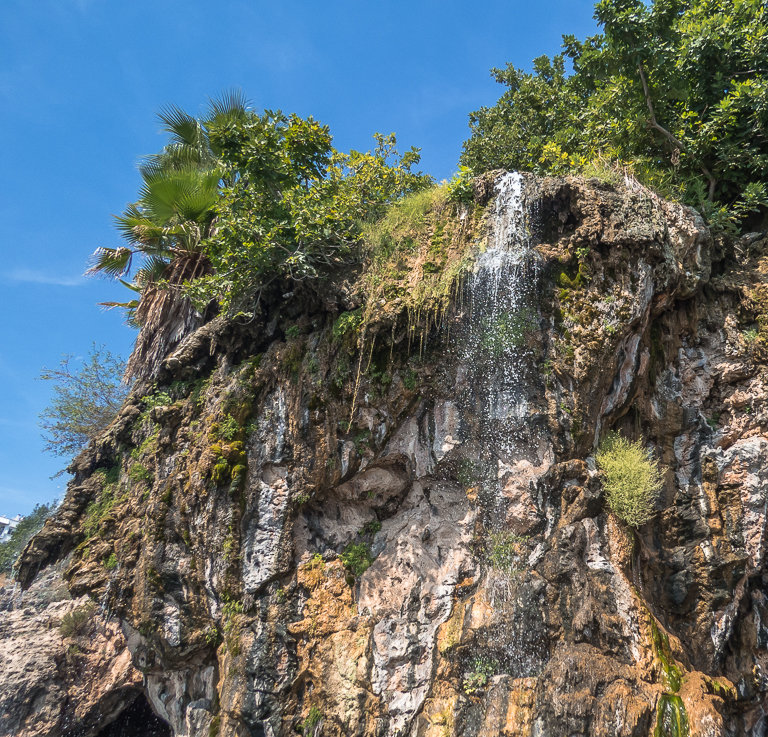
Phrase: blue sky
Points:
(81, 81)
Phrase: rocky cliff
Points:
(354, 515)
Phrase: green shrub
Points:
(357, 558)
(110, 563)
(157, 399)
(477, 678)
(505, 551)
(76, 622)
(229, 428)
(631, 478)
(460, 186)
(346, 322)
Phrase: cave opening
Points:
(138, 720)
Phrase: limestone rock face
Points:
(403, 531)
(65, 669)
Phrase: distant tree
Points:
(84, 402)
(28, 527)
(674, 90)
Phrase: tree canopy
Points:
(237, 199)
(84, 402)
(676, 91)
(293, 207)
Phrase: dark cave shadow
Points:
(138, 720)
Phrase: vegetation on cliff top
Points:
(237, 200)
(675, 91)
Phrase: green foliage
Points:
(676, 91)
(401, 228)
(110, 563)
(750, 335)
(468, 473)
(229, 428)
(77, 622)
(85, 400)
(312, 720)
(481, 671)
(165, 228)
(157, 399)
(290, 206)
(505, 551)
(372, 527)
(460, 187)
(211, 635)
(346, 323)
(27, 528)
(139, 473)
(415, 253)
(357, 558)
(507, 331)
(631, 478)
(230, 613)
(100, 508)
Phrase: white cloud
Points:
(33, 276)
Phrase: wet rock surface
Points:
(291, 534)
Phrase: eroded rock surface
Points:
(296, 531)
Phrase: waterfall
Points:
(502, 316)
(499, 345)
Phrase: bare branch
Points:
(669, 136)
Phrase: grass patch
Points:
(505, 551)
(312, 720)
(416, 253)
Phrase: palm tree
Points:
(166, 229)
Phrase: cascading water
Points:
(501, 321)
(499, 348)
(502, 315)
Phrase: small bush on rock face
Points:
(77, 621)
(631, 478)
(357, 558)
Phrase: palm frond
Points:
(141, 231)
(133, 287)
(183, 127)
(172, 157)
(111, 261)
(132, 305)
(179, 195)
(230, 104)
(152, 271)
